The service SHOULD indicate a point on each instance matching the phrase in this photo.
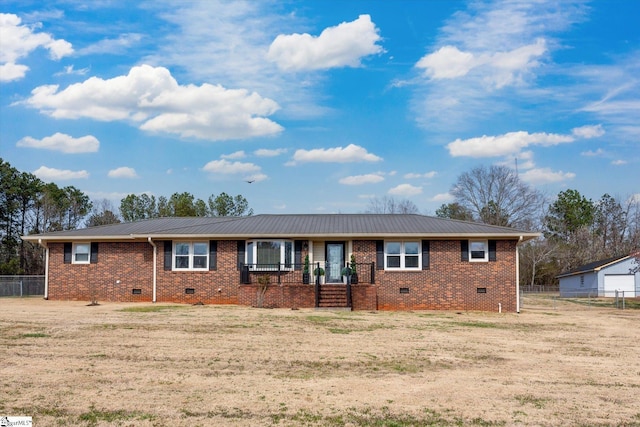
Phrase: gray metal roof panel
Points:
(593, 266)
(365, 225)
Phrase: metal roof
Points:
(290, 226)
(593, 266)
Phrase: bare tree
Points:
(533, 256)
(103, 213)
(495, 195)
(389, 205)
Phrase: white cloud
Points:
(426, 175)
(484, 62)
(619, 162)
(341, 46)
(348, 154)
(62, 142)
(69, 70)
(11, 71)
(256, 177)
(112, 46)
(442, 197)
(447, 63)
(501, 145)
(545, 176)
(370, 178)
(52, 174)
(590, 153)
(151, 97)
(237, 155)
(263, 152)
(405, 190)
(500, 68)
(18, 41)
(588, 132)
(524, 160)
(122, 172)
(225, 167)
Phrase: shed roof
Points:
(290, 226)
(593, 266)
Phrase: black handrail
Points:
(291, 273)
(317, 284)
(349, 297)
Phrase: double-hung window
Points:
(81, 253)
(191, 256)
(270, 254)
(402, 256)
(478, 251)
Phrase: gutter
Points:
(43, 243)
(518, 274)
(155, 267)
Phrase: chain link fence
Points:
(581, 299)
(21, 286)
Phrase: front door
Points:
(335, 262)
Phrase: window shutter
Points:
(67, 253)
(425, 255)
(464, 250)
(213, 254)
(297, 261)
(167, 254)
(379, 254)
(94, 253)
(492, 250)
(241, 253)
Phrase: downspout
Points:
(518, 274)
(155, 267)
(46, 267)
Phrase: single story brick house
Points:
(403, 262)
(603, 278)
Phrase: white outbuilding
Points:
(603, 279)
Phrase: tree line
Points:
(575, 230)
(30, 206)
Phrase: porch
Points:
(288, 286)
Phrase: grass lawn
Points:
(557, 363)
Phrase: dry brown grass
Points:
(69, 364)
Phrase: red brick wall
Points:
(449, 284)
(127, 262)
(210, 287)
(364, 297)
(281, 296)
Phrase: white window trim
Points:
(486, 250)
(403, 255)
(74, 252)
(254, 254)
(190, 255)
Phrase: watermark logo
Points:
(15, 421)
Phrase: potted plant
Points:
(354, 273)
(305, 271)
(318, 272)
(345, 272)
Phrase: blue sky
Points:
(323, 104)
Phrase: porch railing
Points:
(292, 273)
